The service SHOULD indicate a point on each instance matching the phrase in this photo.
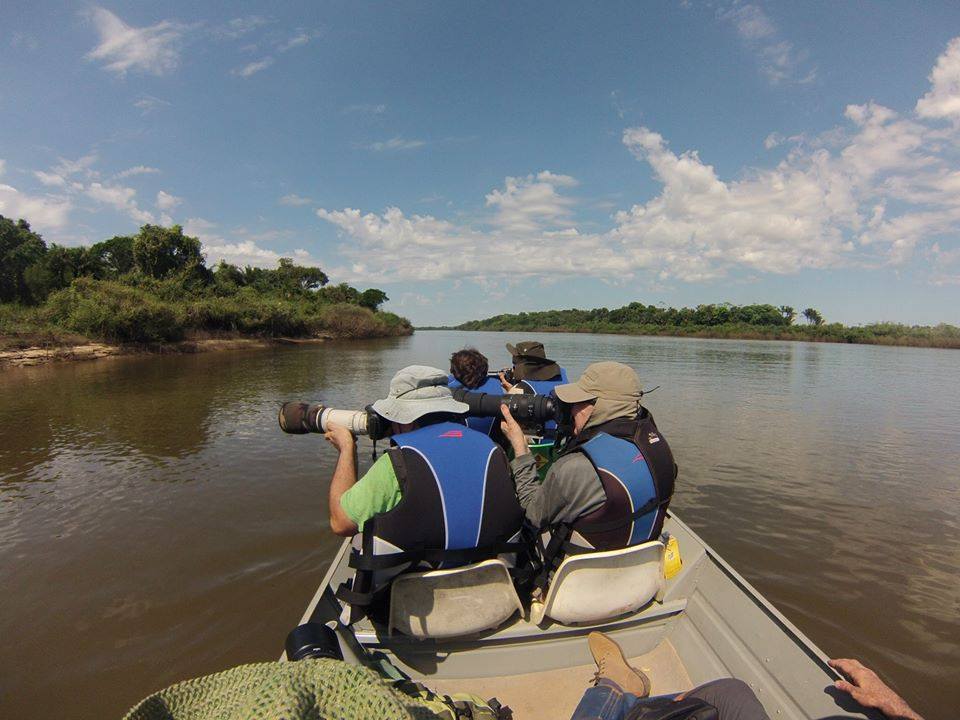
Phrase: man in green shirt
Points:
(418, 396)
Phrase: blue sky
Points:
(473, 159)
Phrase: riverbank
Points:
(948, 339)
(726, 322)
(31, 355)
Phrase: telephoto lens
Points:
(313, 640)
(299, 418)
(524, 408)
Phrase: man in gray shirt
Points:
(604, 401)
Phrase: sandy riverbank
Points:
(25, 357)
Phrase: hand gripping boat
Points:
(465, 630)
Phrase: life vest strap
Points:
(352, 597)
(466, 556)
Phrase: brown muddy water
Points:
(156, 525)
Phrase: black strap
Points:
(552, 555)
(465, 556)
(347, 594)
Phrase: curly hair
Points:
(469, 366)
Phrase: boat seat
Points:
(592, 587)
(452, 603)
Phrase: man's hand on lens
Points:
(513, 432)
(340, 437)
(869, 690)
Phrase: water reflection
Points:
(156, 524)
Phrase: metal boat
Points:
(705, 622)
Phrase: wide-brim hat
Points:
(530, 361)
(527, 348)
(415, 391)
(603, 380)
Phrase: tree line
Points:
(638, 314)
(156, 285)
(723, 320)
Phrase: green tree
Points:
(160, 252)
(372, 298)
(341, 293)
(788, 313)
(299, 277)
(20, 248)
(115, 256)
(813, 317)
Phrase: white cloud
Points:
(254, 67)
(239, 27)
(136, 170)
(50, 179)
(529, 203)
(773, 140)
(166, 201)
(302, 37)
(779, 60)
(243, 252)
(41, 211)
(61, 173)
(393, 144)
(146, 104)
(154, 49)
(120, 198)
(294, 200)
(3, 167)
(882, 189)
(943, 100)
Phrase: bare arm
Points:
(344, 478)
(869, 690)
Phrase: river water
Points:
(156, 525)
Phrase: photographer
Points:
(440, 489)
(532, 371)
(611, 484)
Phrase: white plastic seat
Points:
(592, 587)
(452, 603)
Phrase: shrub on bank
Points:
(111, 311)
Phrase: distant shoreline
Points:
(818, 334)
(18, 354)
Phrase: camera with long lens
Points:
(299, 418)
(527, 410)
(531, 412)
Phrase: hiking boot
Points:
(612, 665)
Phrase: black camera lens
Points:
(313, 640)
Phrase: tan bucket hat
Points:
(603, 381)
(415, 391)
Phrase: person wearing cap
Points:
(533, 372)
(442, 493)
(610, 486)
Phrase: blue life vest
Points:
(458, 460)
(458, 505)
(629, 487)
(491, 386)
(545, 387)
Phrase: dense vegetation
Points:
(155, 286)
(756, 322)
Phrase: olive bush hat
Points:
(415, 391)
(530, 361)
(603, 380)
